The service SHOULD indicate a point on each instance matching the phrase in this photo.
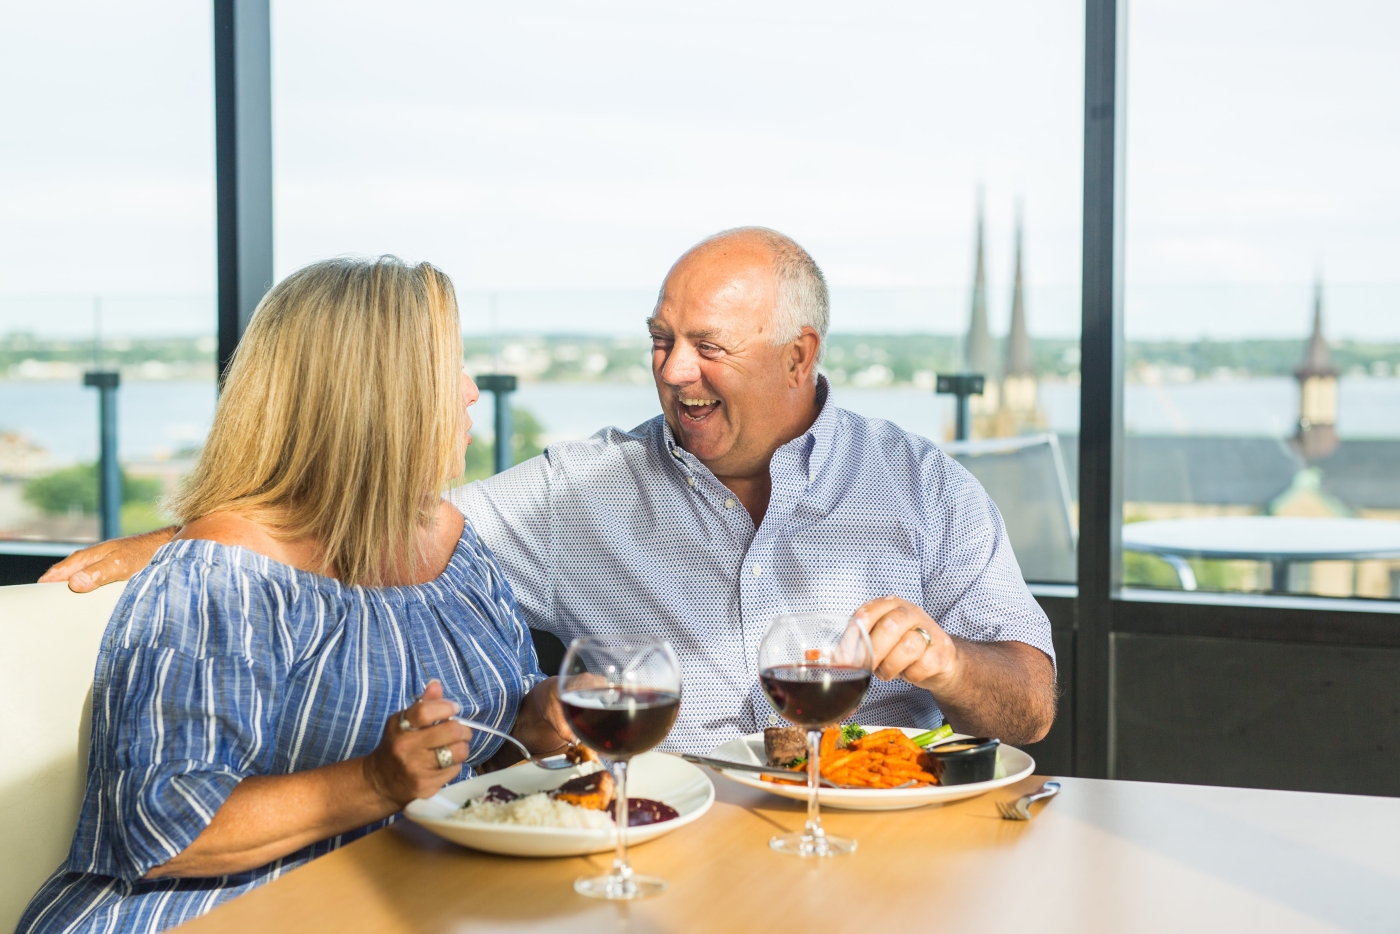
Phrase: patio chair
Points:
(1025, 476)
(49, 637)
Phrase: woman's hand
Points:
(268, 816)
(405, 765)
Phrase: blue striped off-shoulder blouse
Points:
(219, 663)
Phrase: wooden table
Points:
(1102, 857)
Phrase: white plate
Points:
(1012, 766)
(650, 775)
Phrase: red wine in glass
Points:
(815, 695)
(619, 723)
(621, 697)
(815, 668)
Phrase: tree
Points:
(526, 444)
(74, 489)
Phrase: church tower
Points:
(1019, 408)
(979, 355)
(1316, 436)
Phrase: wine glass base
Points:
(802, 844)
(616, 888)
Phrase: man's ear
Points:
(802, 357)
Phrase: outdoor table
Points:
(1103, 856)
(1279, 540)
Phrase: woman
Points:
(321, 589)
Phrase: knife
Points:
(744, 766)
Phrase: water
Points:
(154, 419)
(157, 419)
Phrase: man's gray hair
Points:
(803, 300)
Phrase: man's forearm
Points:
(108, 562)
(1003, 689)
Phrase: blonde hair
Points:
(340, 415)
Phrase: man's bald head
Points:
(801, 298)
(736, 337)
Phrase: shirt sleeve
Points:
(512, 511)
(180, 702)
(973, 586)
(503, 597)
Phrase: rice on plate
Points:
(536, 810)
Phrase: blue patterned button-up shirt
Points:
(628, 533)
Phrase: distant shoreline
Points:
(158, 419)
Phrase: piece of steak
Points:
(784, 745)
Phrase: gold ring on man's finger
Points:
(444, 757)
(928, 639)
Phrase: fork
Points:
(552, 763)
(1020, 809)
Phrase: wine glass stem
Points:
(814, 817)
(622, 870)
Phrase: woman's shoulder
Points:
(237, 531)
(203, 596)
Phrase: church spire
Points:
(1316, 436)
(1317, 361)
(1020, 359)
(978, 356)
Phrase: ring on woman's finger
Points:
(928, 639)
(404, 725)
(444, 757)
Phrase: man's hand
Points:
(107, 562)
(1003, 689)
(897, 631)
(540, 725)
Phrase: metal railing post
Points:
(109, 477)
(964, 386)
(501, 385)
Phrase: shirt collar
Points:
(813, 446)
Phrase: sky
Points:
(556, 157)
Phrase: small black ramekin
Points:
(964, 761)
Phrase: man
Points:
(750, 496)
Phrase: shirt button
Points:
(729, 503)
(757, 570)
(690, 480)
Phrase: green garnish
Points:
(852, 732)
(933, 736)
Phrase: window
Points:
(1262, 304)
(556, 159)
(107, 239)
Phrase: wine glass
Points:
(621, 697)
(815, 668)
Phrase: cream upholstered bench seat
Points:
(49, 637)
